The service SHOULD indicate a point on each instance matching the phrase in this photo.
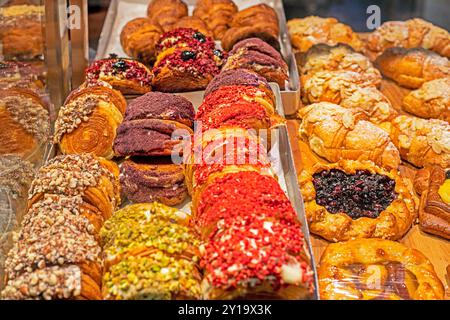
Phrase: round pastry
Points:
(431, 100)
(166, 12)
(88, 120)
(193, 23)
(139, 38)
(376, 269)
(153, 180)
(217, 14)
(257, 55)
(350, 199)
(95, 179)
(126, 75)
(25, 123)
(312, 30)
(239, 77)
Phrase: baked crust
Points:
(380, 263)
(312, 30)
(166, 12)
(193, 23)
(412, 67)
(392, 223)
(431, 100)
(434, 212)
(336, 133)
(217, 15)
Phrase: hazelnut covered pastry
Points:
(376, 269)
(350, 199)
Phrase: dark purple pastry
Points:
(258, 45)
(153, 180)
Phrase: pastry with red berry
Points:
(126, 75)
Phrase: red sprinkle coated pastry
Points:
(126, 68)
(253, 250)
(185, 37)
(243, 193)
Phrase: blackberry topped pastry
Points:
(351, 199)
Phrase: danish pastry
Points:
(411, 33)
(166, 12)
(258, 56)
(139, 38)
(376, 269)
(350, 199)
(217, 15)
(312, 30)
(422, 142)
(126, 75)
(432, 183)
(336, 133)
(412, 67)
(88, 120)
(431, 100)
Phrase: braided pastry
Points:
(217, 14)
(376, 269)
(166, 12)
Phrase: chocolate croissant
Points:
(412, 67)
(335, 133)
(139, 38)
(88, 120)
(166, 12)
(217, 14)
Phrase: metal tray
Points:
(122, 11)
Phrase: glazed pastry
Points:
(258, 21)
(151, 249)
(337, 133)
(412, 67)
(410, 34)
(217, 15)
(258, 56)
(153, 180)
(431, 100)
(433, 185)
(350, 199)
(166, 12)
(274, 264)
(239, 77)
(25, 123)
(150, 122)
(88, 120)
(21, 31)
(350, 90)
(340, 57)
(139, 38)
(422, 142)
(94, 179)
(126, 75)
(376, 269)
(312, 30)
(193, 23)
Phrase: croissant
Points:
(166, 12)
(351, 199)
(88, 121)
(376, 269)
(96, 180)
(138, 39)
(410, 34)
(422, 142)
(193, 23)
(217, 14)
(312, 30)
(25, 123)
(412, 67)
(431, 100)
(337, 133)
(434, 212)
(258, 21)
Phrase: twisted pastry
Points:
(217, 14)
(166, 12)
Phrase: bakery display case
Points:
(222, 150)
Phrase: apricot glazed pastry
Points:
(433, 185)
(350, 199)
(375, 269)
(126, 75)
(217, 14)
(336, 133)
(88, 120)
